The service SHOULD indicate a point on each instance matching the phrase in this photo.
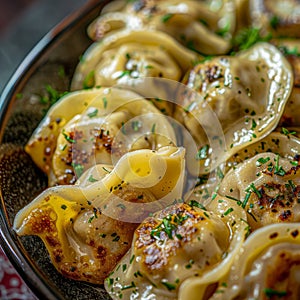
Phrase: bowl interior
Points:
(43, 76)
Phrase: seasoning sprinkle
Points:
(165, 18)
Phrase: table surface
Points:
(23, 24)
(11, 285)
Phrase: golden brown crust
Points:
(165, 235)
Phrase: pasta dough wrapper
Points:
(127, 56)
(267, 266)
(291, 49)
(287, 146)
(110, 121)
(204, 26)
(247, 93)
(88, 227)
(172, 246)
(267, 186)
(280, 18)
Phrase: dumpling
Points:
(267, 186)
(127, 56)
(203, 26)
(133, 54)
(179, 252)
(267, 266)
(88, 227)
(246, 92)
(285, 145)
(280, 18)
(291, 49)
(42, 143)
(99, 130)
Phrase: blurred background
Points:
(22, 24)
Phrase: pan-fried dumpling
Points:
(267, 186)
(285, 145)
(100, 130)
(204, 26)
(179, 252)
(88, 227)
(280, 18)
(247, 92)
(267, 266)
(291, 49)
(42, 143)
(131, 55)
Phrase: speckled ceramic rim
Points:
(8, 240)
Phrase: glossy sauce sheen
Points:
(120, 208)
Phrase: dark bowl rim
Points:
(8, 238)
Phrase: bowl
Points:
(42, 76)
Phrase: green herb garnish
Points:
(165, 18)
(248, 37)
(89, 81)
(202, 153)
(269, 292)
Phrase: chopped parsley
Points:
(194, 203)
(153, 128)
(220, 173)
(244, 204)
(89, 80)
(202, 153)
(262, 161)
(68, 138)
(253, 124)
(278, 169)
(92, 179)
(138, 274)
(78, 168)
(126, 287)
(234, 199)
(287, 132)
(149, 67)
(52, 95)
(224, 30)
(228, 211)
(168, 225)
(104, 169)
(124, 73)
(121, 205)
(286, 51)
(135, 125)
(269, 292)
(274, 22)
(168, 285)
(132, 259)
(165, 18)
(93, 113)
(123, 128)
(254, 189)
(247, 37)
(104, 100)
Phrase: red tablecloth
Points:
(12, 287)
